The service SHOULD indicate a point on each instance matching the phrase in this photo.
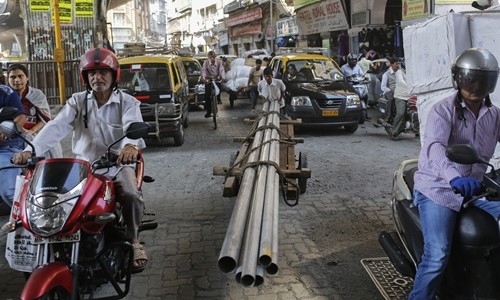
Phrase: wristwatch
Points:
(133, 146)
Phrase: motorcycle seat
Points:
(408, 207)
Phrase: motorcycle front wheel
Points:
(58, 293)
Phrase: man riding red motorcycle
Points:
(98, 117)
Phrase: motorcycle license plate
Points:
(330, 113)
(75, 237)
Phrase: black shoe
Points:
(208, 115)
(219, 101)
(367, 117)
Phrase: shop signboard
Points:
(287, 27)
(325, 16)
(244, 17)
(249, 29)
(415, 9)
(223, 39)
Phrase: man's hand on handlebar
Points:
(21, 158)
(128, 155)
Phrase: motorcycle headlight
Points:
(353, 101)
(166, 109)
(301, 101)
(47, 212)
(199, 89)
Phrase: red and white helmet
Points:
(99, 58)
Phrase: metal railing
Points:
(43, 75)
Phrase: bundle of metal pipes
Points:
(250, 248)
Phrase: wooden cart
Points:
(294, 169)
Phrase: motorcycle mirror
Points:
(138, 130)
(10, 129)
(135, 131)
(8, 113)
(466, 155)
(463, 154)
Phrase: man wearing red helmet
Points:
(98, 117)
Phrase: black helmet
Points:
(352, 56)
(476, 69)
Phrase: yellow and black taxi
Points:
(160, 83)
(317, 92)
(193, 72)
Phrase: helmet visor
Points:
(478, 82)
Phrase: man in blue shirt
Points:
(10, 98)
(351, 67)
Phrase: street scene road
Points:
(321, 240)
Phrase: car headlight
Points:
(336, 76)
(166, 109)
(301, 101)
(200, 89)
(48, 212)
(353, 101)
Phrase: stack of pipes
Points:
(250, 247)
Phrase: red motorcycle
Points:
(78, 232)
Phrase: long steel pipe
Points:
(231, 246)
(249, 267)
(265, 251)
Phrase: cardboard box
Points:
(430, 49)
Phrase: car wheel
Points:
(179, 137)
(186, 121)
(351, 128)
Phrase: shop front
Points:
(376, 26)
(245, 30)
(319, 22)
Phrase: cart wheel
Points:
(302, 164)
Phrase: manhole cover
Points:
(391, 284)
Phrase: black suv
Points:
(316, 91)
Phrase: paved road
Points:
(321, 240)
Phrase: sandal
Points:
(140, 258)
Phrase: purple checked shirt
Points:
(443, 129)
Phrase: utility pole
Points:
(59, 52)
(271, 20)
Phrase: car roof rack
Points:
(301, 50)
(136, 49)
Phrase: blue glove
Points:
(466, 186)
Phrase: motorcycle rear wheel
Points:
(57, 293)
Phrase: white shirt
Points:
(273, 91)
(106, 124)
(402, 91)
(365, 64)
(385, 78)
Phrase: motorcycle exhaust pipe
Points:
(398, 259)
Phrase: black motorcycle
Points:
(473, 270)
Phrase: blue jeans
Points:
(438, 223)
(8, 176)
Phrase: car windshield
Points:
(313, 70)
(144, 77)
